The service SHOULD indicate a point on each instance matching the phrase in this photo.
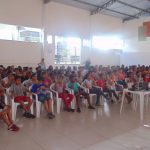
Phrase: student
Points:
(42, 64)
(30, 81)
(17, 91)
(43, 96)
(63, 94)
(90, 84)
(5, 113)
(47, 81)
(106, 86)
(7, 81)
(78, 92)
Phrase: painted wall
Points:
(21, 12)
(135, 52)
(26, 13)
(19, 53)
(69, 21)
(58, 19)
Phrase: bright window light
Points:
(50, 39)
(86, 43)
(67, 50)
(20, 33)
(107, 43)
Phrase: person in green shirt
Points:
(78, 92)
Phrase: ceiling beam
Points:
(46, 1)
(86, 3)
(104, 6)
(129, 5)
(93, 5)
(141, 13)
(121, 13)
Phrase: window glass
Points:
(67, 50)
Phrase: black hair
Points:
(17, 77)
(40, 78)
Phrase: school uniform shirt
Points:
(18, 90)
(74, 86)
(101, 83)
(36, 88)
(88, 83)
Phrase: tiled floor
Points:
(102, 129)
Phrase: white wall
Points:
(58, 19)
(69, 21)
(26, 13)
(135, 58)
(21, 12)
(19, 53)
(135, 52)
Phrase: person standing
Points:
(42, 64)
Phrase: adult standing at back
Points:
(42, 64)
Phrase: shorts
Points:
(84, 94)
(19, 99)
(44, 97)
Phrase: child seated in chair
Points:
(5, 112)
(43, 96)
(17, 91)
(64, 94)
(78, 92)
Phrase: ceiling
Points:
(124, 9)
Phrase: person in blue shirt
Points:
(43, 96)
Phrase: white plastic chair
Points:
(59, 100)
(14, 106)
(87, 91)
(38, 104)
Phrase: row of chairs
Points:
(54, 96)
(15, 105)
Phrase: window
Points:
(107, 43)
(67, 50)
(49, 39)
(19, 33)
(86, 43)
(7, 31)
(29, 34)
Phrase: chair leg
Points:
(102, 101)
(32, 109)
(52, 106)
(13, 110)
(38, 109)
(123, 98)
(73, 103)
(58, 103)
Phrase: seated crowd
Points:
(70, 84)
